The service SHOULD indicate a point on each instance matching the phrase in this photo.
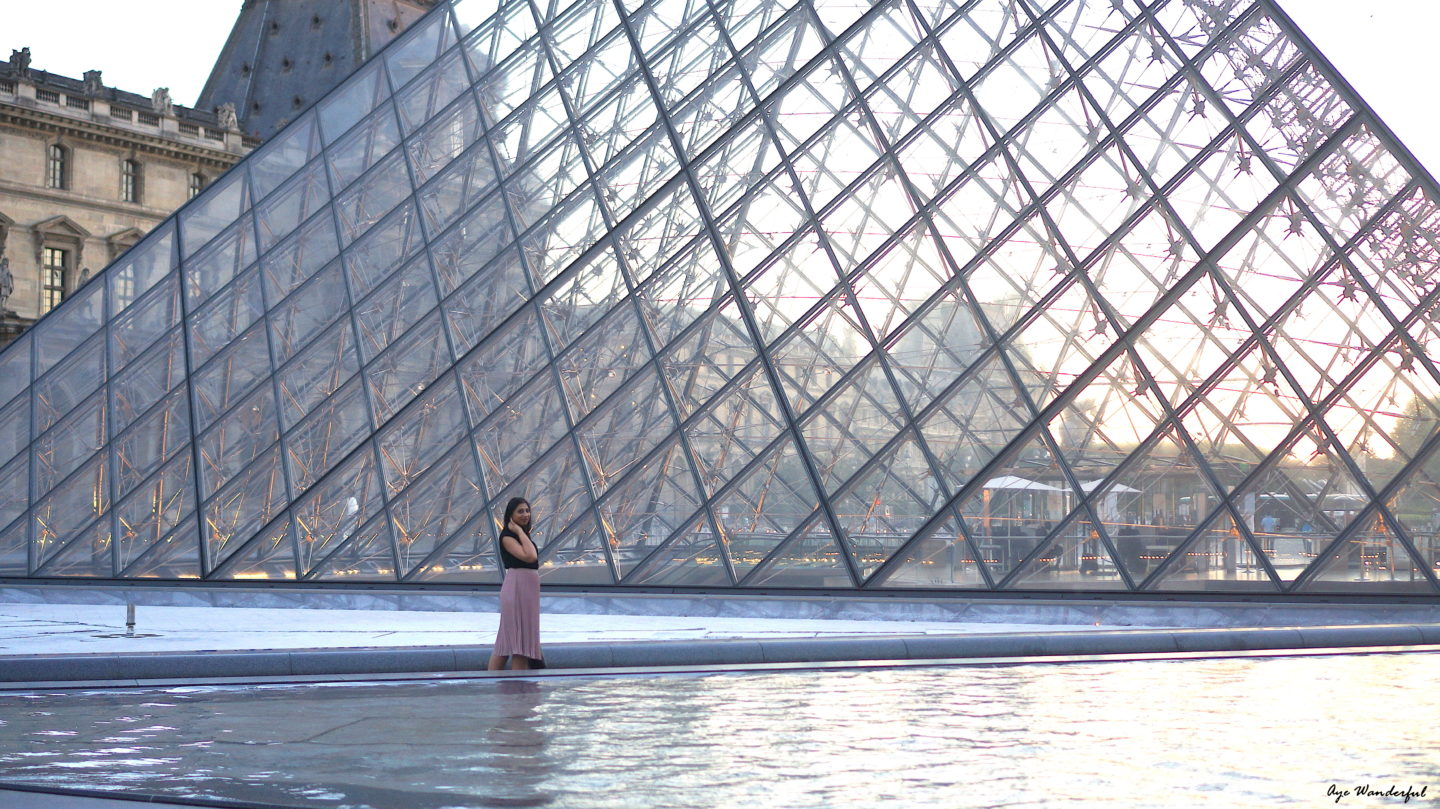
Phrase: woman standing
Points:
(519, 635)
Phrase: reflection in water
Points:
(1210, 733)
(514, 745)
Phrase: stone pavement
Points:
(79, 635)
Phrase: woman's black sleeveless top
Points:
(509, 560)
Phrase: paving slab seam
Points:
(742, 668)
(729, 652)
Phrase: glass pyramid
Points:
(992, 294)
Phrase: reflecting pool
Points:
(1223, 733)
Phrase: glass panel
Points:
(463, 252)
(232, 375)
(1371, 560)
(156, 508)
(288, 265)
(418, 436)
(443, 81)
(573, 306)
(1347, 189)
(80, 436)
(462, 183)
(250, 501)
(1016, 506)
(619, 434)
(585, 22)
(271, 555)
(15, 368)
(602, 359)
(429, 35)
(213, 211)
(327, 515)
(576, 556)
(428, 512)
(370, 198)
(15, 478)
(932, 352)
(692, 559)
(14, 544)
(174, 557)
(298, 319)
(814, 359)
(69, 383)
(140, 268)
(562, 235)
(88, 554)
(942, 558)
(225, 316)
(1074, 558)
(764, 506)
(700, 364)
(469, 555)
(471, 14)
(1307, 490)
(853, 425)
(141, 324)
(518, 431)
(146, 382)
(369, 555)
(278, 216)
(486, 301)
(509, 86)
(316, 373)
(283, 155)
(1220, 560)
(14, 429)
(163, 432)
(60, 515)
(679, 294)
(72, 324)
(370, 260)
(654, 502)
(557, 493)
(332, 431)
(395, 306)
(734, 429)
(363, 148)
(493, 372)
(636, 176)
(360, 94)
(886, 505)
(406, 368)
(811, 558)
(238, 440)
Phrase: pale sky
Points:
(1385, 48)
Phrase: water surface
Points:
(1194, 733)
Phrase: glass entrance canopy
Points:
(905, 294)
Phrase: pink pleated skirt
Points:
(519, 614)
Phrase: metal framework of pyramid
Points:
(927, 294)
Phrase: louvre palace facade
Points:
(960, 296)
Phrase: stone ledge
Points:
(101, 668)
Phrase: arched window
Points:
(56, 173)
(130, 180)
(197, 184)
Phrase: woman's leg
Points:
(519, 662)
(497, 662)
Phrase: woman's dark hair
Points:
(510, 512)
